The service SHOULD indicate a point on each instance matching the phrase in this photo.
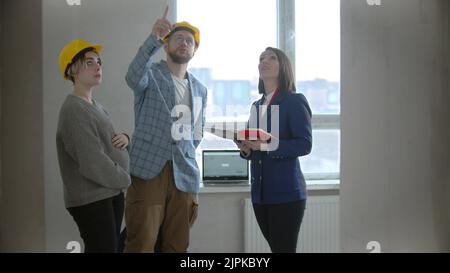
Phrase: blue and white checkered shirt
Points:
(154, 99)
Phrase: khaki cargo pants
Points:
(158, 216)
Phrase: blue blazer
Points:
(276, 176)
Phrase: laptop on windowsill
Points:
(224, 168)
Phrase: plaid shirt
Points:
(154, 98)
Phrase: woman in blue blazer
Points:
(278, 187)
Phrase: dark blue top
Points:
(276, 176)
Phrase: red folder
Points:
(253, 134)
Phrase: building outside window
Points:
(233, 35)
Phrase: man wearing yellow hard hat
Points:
(161, 204)
(93, 161)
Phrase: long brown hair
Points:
(285, 76)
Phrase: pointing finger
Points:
(166, 12)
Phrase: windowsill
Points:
(312, 185)
(224, 189)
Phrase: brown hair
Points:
(76, 62)
(286, 75)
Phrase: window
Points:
(235, 32)
(317, 59)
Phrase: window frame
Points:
(286, 42)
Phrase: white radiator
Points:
(319, 232)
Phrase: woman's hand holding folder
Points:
(254, 139)
(254, 135)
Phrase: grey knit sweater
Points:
(91, 168)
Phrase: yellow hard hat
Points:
(185, 26)
(71, 50)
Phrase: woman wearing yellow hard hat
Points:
(93, 161)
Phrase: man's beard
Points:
(178, 59)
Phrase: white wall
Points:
(447, 95)
(220, 224)
(395, 131)
(443, 118)
(1, 68)
(22, 226)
